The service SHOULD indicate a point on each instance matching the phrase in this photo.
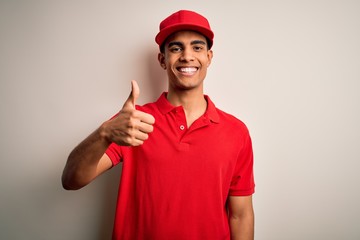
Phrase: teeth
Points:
(188, 69)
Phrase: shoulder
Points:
(160, 105)
(231, 120)
(148, 107)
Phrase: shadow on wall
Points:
(109, 196)
(156, 76)
(156, 81)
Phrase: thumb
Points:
(135, 92)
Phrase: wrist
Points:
(103, 132)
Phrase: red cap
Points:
(184, 20)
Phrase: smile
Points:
(187, 70)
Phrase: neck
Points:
(193, 102)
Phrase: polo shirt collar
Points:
(165, 107)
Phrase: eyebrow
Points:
(198, 42)
(181, 44)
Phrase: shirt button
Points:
(182, 127)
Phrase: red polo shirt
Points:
(175, 185)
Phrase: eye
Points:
(198, 48)
(175, 49)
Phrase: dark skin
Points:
(88, 160)
(185, 58)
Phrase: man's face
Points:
(186, 58)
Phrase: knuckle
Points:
(133, 114)
(129, 140)
(132, 123)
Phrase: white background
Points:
(289, 69)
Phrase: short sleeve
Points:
(242, 183)
(115, 154)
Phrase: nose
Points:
(187, 55)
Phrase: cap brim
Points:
(166, 32)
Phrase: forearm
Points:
(129, 128)
(242, 227)
(241, 217)
(82, 163)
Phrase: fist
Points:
(130, 127)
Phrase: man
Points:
(187, 166)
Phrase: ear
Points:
(210, 56)
(161, 59)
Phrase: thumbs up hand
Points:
(134, 94)
(130, 127)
